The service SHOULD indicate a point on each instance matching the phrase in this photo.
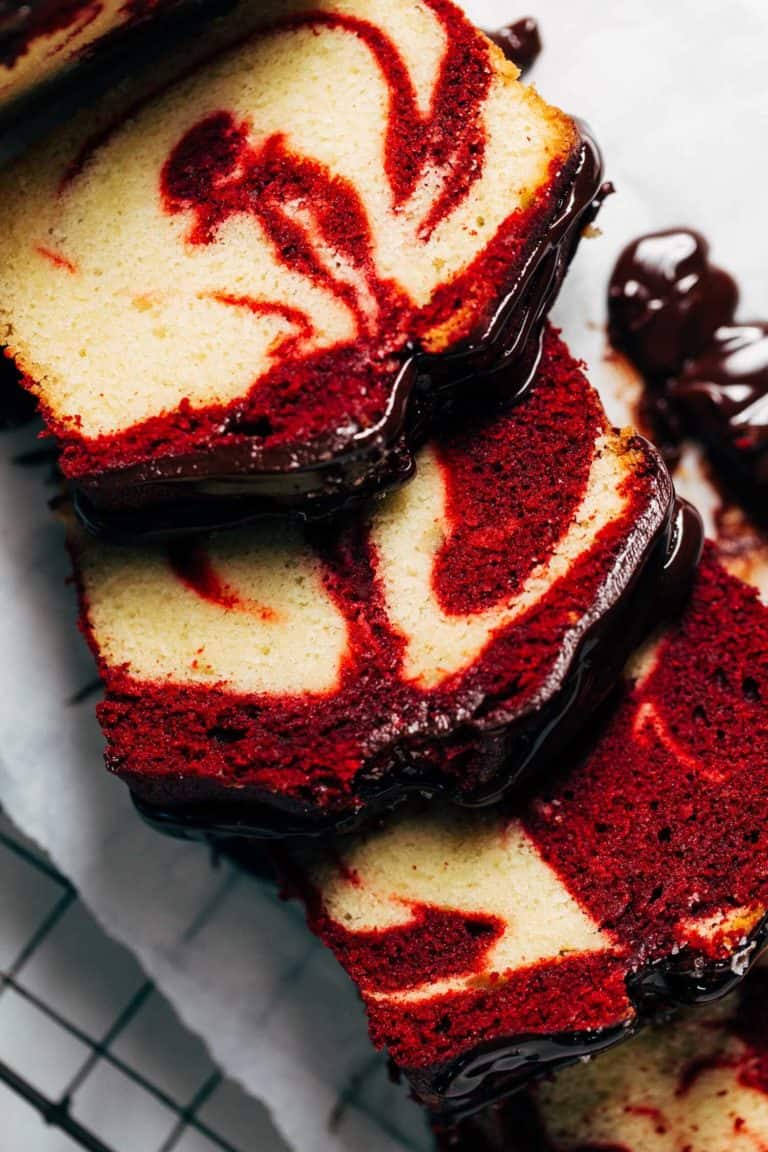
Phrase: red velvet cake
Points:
(696, 1084)
(254, 289)
(489, 946)
(274, 679)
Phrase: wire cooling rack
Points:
(88, 1046)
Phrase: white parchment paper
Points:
(678, 96)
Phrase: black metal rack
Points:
(98, 1050)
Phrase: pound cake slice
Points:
(254, 288)
(696, 1084)
(274, 679)
(491, 946)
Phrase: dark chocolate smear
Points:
(672, 313)
(725, 389)
(520, 42)
(666, 300)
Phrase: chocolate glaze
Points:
(494, 1071)
(17, 406)
(519, 1124)
(659, 589)
(520, 42)
(673, 314)
(723, 392)
(458, 1091)
(741, 543)
(219, 488)
(489, 1129)
(666, 300)
(656, 992)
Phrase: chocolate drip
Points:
(17, 406)
(518, 1121)
(725, 392)
(673, 314)
(666, 300)
(520, 42)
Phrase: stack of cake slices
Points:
(369, 575)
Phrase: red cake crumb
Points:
(435, 944)
(354, 380)
(658, 818)
(657, 834)
(179, 745)
(506, 518)
(192, 565)
(574, 994)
